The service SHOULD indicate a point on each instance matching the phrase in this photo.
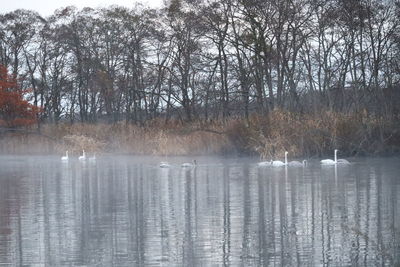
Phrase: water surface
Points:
(126, 211)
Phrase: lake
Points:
(126, 211)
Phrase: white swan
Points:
(92, 159)
(296, 163)
(164, 164)
(65, 158)
(83, 157)
(278, 163)
(343, 161)
(189, 165)
(264, 164)
(329, 161)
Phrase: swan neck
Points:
(286, 159)
(335, 156)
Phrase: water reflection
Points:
(124, 212)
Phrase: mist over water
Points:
(124, 211)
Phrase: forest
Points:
(218, 76)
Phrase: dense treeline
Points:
(207, 59)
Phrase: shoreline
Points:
(264, 137)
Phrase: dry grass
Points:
(305, 134)
(153, 139)
(268, 137)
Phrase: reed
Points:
(318, 134)
(266, 136)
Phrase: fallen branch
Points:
(16, 130)
(192, 130)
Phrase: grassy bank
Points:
(266, 136)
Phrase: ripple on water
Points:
(126, 211)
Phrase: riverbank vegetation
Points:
(266, 137)
(207, 77)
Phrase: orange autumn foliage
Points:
(15, 111)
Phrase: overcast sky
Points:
(47, 7)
